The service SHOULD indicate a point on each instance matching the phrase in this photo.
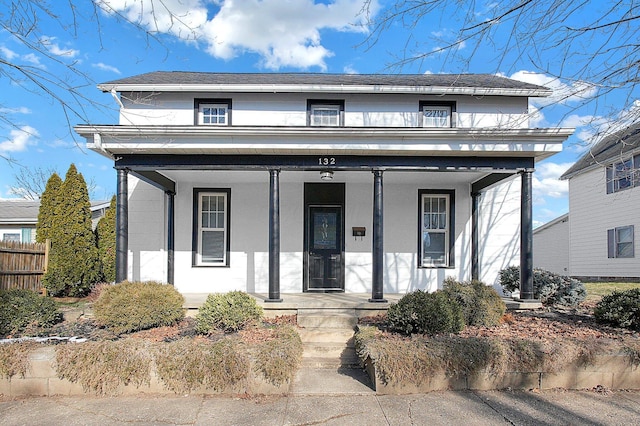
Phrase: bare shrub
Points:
(103, 366)
(187, 364)
(14, 358)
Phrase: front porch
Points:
(357, 304)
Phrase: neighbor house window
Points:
(325, 113)
(436, 235)
(623, 175)
(12, 238)
(211, 221)
(437, 114)
(620, 242)
(213, 112)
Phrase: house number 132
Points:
(326, 161)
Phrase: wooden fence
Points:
(22, 265)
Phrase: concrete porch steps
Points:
(327, 337)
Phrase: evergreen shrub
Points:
(228, 312)
(26, 312)
(134, 306)
(74, 264)
(481, 305)
(620, 309)
(550, 288)
(106, 240)
(425, 313)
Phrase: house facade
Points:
(288, 183)
(604, 201)
(551, 245)
(18, 218)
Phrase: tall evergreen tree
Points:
(73, 262)
(48, 201)
(106, 237)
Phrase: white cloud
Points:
(32, 58)
(55, 49)
(105, 67)
(8, 53)
(284, 34)
(348, 69)
(547, 183)
(562, 92)
(18, 110)
(19, 139)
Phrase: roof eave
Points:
(321, 88)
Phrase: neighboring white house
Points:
(604, 208)
(18, 218)
(551, 245)
(321, 182)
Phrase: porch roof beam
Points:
(156, 179)
(145, 163)
(489, 180)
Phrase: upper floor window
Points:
(325, 113)
(437, 114)
(620, 242)
(436, 228)
(623, 175)
(213, 112)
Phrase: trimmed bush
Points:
(26, 312)
(550, 288)
(481, 305)
(228, 312)
(425, 313)
(134, 306)
(620, 309)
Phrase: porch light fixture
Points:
(326, 175)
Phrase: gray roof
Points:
(309, 79)
(20, 211)
(614, 147)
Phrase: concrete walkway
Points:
(438, 408)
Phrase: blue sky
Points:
(94, 45)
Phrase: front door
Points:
(324, 239)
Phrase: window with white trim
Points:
(211, 227)
(438, 115)
(213, 112)
(623, 175)
(620, 242)
(436, 228)
(325, 113)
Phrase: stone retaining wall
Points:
(41, 380)
(609, 371)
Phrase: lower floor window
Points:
(211, 227)
(436, 228)
(620, 242)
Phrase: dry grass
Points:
(14, 358)
(278, 357)
(104, 366)
(189, 364)
(416, 359)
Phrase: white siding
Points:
(499, 230)
(551, 248)
(147, 235)
(592, 213)
(291, 109)
(248, 269)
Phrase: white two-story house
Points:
(604, 209)
(289, 183)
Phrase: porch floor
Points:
(292, 302)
